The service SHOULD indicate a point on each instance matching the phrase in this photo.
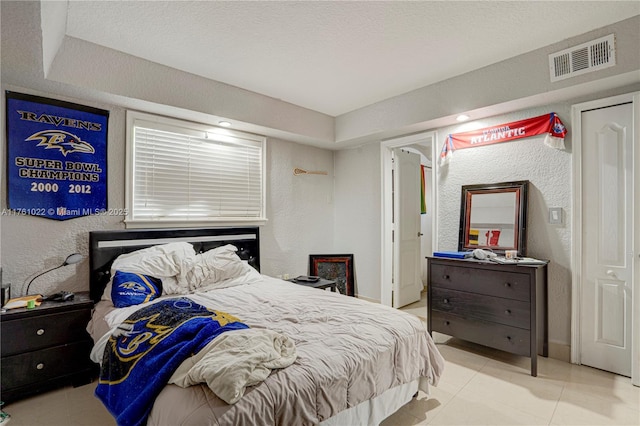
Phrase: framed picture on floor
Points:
(337, 267)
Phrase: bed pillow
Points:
(250, 276)
(169, 262)
(129, 288)
(219, 268)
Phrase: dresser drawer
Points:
(41, 331)
(511, 312)
(503, 337)
(40, 366)
(510, 285)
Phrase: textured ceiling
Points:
(334, 57)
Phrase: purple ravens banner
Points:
(56, 157)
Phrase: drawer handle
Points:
(509, 338)
(40, 331)
(445, 301)
(446, 277)
(447, 323)
(40, 366)
(507, 285)
(507, 312)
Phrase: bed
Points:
(353, 362)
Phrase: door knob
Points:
(612, 273)
(420, 234)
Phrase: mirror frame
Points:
(520, 190)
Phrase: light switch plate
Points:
(555, 215)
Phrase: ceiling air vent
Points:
(587, 57)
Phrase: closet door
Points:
(606, 303)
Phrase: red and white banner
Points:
(548, 124)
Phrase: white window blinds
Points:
(187, 174)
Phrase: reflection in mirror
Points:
(494, 217)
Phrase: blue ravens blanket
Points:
(148, 347)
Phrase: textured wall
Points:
(357, 195)
(549, 172)
(357, 214)
(32, 244)
(358, 223)
(299, 209)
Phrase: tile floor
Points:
(480, 386)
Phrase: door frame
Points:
(386, 258)
(576, 243)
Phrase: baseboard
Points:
(560, 351)
(368, 299)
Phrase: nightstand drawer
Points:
(511, 285)
(477, 306)
(44, 365)
(41, 331)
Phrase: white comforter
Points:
(235, 360)
(348, 351)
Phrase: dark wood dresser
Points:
(500, 306)
(45, 347)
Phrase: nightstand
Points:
(321, 283)
(46, 347)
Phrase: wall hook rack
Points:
(297, 171)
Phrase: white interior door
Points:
(607, 230)
(426, 243)
(387, 149)
(407, 282)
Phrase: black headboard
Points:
(106, 246)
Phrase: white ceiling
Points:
(334, 57)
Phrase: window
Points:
(185, 173)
